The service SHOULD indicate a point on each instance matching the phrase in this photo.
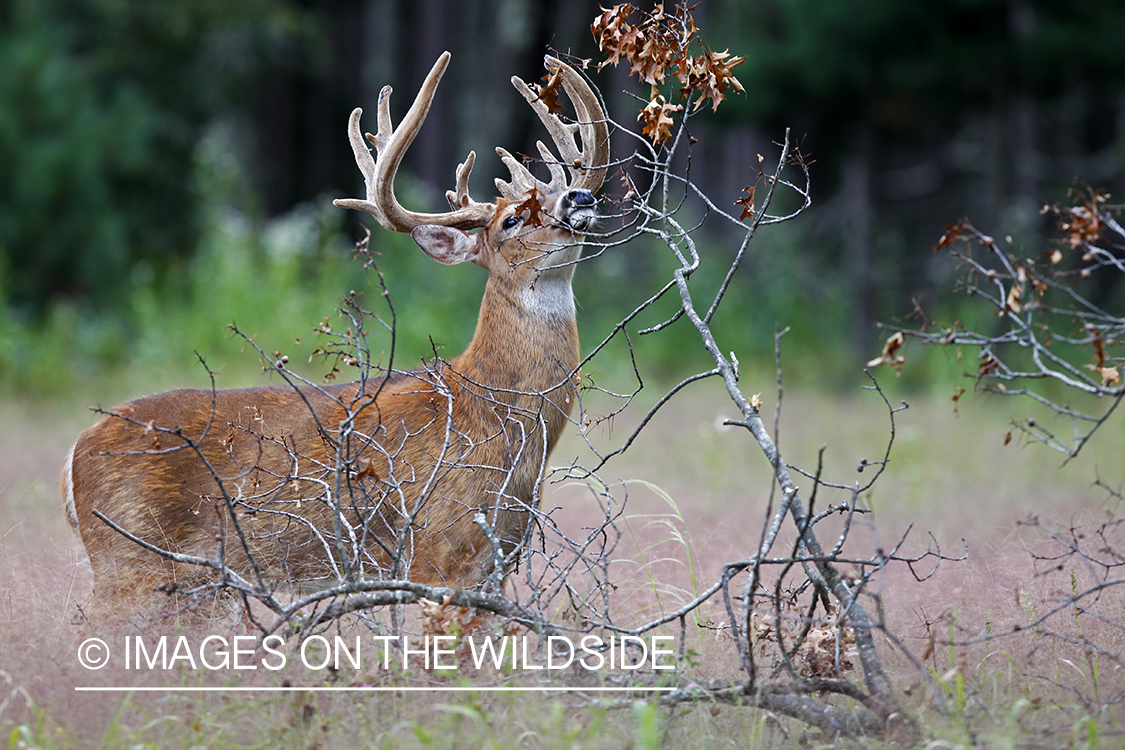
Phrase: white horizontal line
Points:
(371, 689)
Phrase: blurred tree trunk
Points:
(300, 120)
(858, 225)
(430, 22)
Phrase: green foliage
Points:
(101, 105)
(130, 234)
(649, 732)
(65, 149)
(104, 105)
(275, 280)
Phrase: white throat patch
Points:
(549, 297)
(551, 294)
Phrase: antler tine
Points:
(592, 125)
(558, 176)
(522, 179)
(587, 166)
(460, 197)
(366, 166)
(391, 144)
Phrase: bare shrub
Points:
(1047, 330)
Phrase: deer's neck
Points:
(526, 342)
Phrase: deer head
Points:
(542, 217)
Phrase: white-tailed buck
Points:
(379, 479)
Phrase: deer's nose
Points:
(580, 197)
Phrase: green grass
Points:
(953, 477)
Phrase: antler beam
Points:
(587, 164)
(391, 144)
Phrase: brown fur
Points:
(492, 415)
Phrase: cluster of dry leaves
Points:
(1111, 376)
(823, 648)
(446, 619)
(658, 49)
(1081, 227)
(443, 618)
(1080, 224)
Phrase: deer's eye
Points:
(511, 222)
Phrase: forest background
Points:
(168, 168)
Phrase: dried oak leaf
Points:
(448, 619)
(650, 60)
(1084, 224)
(616, 36)
(711, 76)
(1110, 376)
(365, 469)
(534, 209)
(549, 92)
(747, 203)
(658, 120)
(888, 356)
(950, 237)
(1099, 350)
(1012, 304)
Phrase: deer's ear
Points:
(445, 244)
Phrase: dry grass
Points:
(699, 505)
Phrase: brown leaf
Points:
(627, 184)
(1110, 376)
(1083, 226)
(1099, 351)
(365, 469)
(1012, 304)
(650, 60)
(949, 238)
(448, 619)
(228, 441)
(658, 120)
(710, 75)
(534, 209)
(890, 346)
(549, 92)
(747, 203)
(615, 35)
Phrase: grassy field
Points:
(696, 495)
